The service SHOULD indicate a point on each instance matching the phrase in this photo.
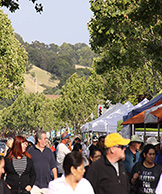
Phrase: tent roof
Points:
(109, 123)
(135, 119)
(157, 113)
(154, 102)
(110, 110)
(144, 116)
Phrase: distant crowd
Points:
(108, 165)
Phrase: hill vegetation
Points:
(60, 61)
(37, 80)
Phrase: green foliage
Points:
(50, 90)
(122, 85)
(13, 59)
(127, 35)
(4, 103)
(14, 5)
(83, 72)
(59, 60)
(79, 98)
(28, 112)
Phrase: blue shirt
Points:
(43, 163)
(158, 159)
(129, 158)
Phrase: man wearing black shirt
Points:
(107, 175)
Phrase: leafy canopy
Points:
(13, 59)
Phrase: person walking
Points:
(44, 162)
(100, 143)
(107, 175)
(132, 154)
(93, 144)
(95, 154)
(72, 181)
(145, 174)
(78, 147)
(19, 168)
(3, 186)
(61, 151)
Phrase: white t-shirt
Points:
(61, 152)
(59, 186)
(158, 189)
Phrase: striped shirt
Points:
(20, 164)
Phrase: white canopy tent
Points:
(108, 123)
(111, 109)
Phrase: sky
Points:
(61, 21)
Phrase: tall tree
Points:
(13, 59)
(127, 33)
(28, 112)
(79, 98)
(123, 84)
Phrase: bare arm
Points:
(69, 146)
(135, 176)
(54, 171)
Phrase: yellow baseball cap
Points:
(115, 139)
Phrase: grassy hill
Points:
(42, 80)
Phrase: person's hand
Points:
(28, 187)
(135, 177)
(70, 142)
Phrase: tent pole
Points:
(132, 129)
(144, 133)
(159, 132)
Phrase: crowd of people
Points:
(109, 165)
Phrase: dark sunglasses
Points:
(134, 157)
(121, 146)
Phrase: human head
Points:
(10, 142)
(41, 139)
(2, 163)
(94, 140)
(115, 146)
(153, 141)
(135, 142)
(95, 154)
(114, 139)
(65, 138)
(101, 141)
(146, 151)
(72, 162)
(18, 147)
(31, 140)
(77, 140)
(77, 147)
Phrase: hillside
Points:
(42, 80)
